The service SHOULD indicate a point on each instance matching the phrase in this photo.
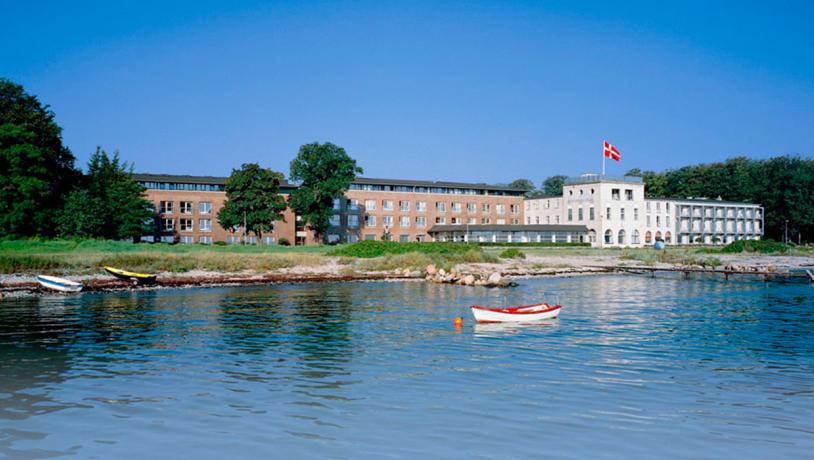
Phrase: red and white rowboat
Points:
(534, 312)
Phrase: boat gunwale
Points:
(514, 310)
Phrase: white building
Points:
(616, 214)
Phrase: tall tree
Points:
(253, 200)
(325, 171)
(108, 204)
(36, 169)
(553, 185)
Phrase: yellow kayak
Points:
(132, 276)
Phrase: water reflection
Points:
(376, 369)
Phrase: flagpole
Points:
(603, 160)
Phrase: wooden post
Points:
(810, 275)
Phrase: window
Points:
(622, 214)
(648, 237)
(501, 209)
(514, 209)
(369, 237)
(387, 205)
(187, 240)
(205, 240)
(658, 221)
(621, 239)
(186, 207)
(205, 225)
(486, 220)
(537, 219)
(591, 213)
(404, 238)
(404, 206)
(441, 220)
(647, 219)
(658, 206)
(667, 220)
(558, 219)
(186, 225)
(471, 208)
(455, 221)
(420, 221)
(486, 208)
(334, 221)
(579, 214)
(370, 205)
(515, 221)
(570, 214)
(629, 195)
(501, 222)
(668, 237)
(548, 219)
(167, 225)
(608, 214)
(608, 237)
(353, 205)
(472, 221)
(387, 221)
(404, 221)
(268, 240)
(204, 207)
(634, 237)
(615, 194)
(353, 238)
(456, 207)
(165, 207)
(353, 221)
(336, 204)
(370, 221)
(440, 206)
(635, 213)
(647, 206)
(667, 207)
(421, 206)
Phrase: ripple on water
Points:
(635, 366)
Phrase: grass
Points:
(512, 253)
(678, 256)
(419, 260)
(369, 249)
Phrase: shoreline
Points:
(534, 266)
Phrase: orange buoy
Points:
(459, 321)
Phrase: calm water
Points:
(634, 367)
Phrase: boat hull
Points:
(59, 284)
(131, 276)
(520, 314)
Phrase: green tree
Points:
(553, 185)
(36, 170)
(253, 200)
(109, 203)
(324, 171)
(522, 184)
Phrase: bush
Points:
(368, 248)
(762, 246)
(284, 242)
(512, 254)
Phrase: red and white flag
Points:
(611, 152)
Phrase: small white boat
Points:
(526, 313)
(59, 284)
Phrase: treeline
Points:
(783, 185)
(42, 193)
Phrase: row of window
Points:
(422, 189)
(184, 207)
(186, 225)
(187, 187)
(658, 206)
(421, 206)
(420, 221)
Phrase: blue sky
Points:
(470, 91)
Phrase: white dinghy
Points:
(59, 284)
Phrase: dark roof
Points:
(509, 228)
(219, 180)
(543, 197)
(427, 183)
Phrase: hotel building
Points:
(372, 209)
(616, 213)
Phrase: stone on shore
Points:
(431, 269)
(494, 278)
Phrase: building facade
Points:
(617, 214)
(372, 209)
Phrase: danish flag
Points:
(611, 152)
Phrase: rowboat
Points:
(59, 284)
(130, 276)
(526, 313)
